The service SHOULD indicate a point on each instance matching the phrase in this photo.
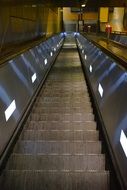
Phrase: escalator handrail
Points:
(119, 61)
(4, 60)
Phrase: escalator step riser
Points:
(39, 180)
(57, 162)
(67, 87)
(62, 101)
(57, 85)
(43, 125)
(39, 110)
(60, 105)
(63, 117)
(51, 93)
(57, 147)
(60, 135)
(74, 109)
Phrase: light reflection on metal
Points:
(45, 61)
(100, 90)
(9, 111)
(19, 74)
(123, 142)
(90, 68)
(34, 77)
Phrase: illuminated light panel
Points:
(9, 111)
(83, 5)
(33, 78)
(34, 6)
(45, 61)
(100, 89)
(83, 51)
(54, 49)
(123, 141)
(91, 68)
(85, 57)
(51, 54)
(57, 45)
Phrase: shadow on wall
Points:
(125, 19)
(20, 23)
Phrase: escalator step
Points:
(55, 180)
(52, 93)
(58, 147)
(62, 110)
(55, 125)
(58, 135)
(62, 117)
(56, 162)
(62, 99)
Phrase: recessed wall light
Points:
(83, 5)
(34, 6)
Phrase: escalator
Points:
(59, 146)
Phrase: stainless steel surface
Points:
(16, 83)
(59, 146)
(111, 99)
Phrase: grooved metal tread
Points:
(63, 125)
(56, 162)
(60, 135)
(66, 110)
(55, 180)
(59, 147)
(61, 117)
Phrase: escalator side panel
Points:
(19, 79)
(108, 81)
(59, 146)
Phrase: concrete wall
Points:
(70, 18)
(115, 19)
(25, 22)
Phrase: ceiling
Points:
(68, 3)
(89, 3)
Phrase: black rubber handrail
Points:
(24, 48)
(119, 60)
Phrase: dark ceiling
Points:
(68, 3)
(89, 3)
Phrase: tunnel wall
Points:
(22, 23)
(70, 19)
(108, 82)
(20, 78)
(115, 19)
